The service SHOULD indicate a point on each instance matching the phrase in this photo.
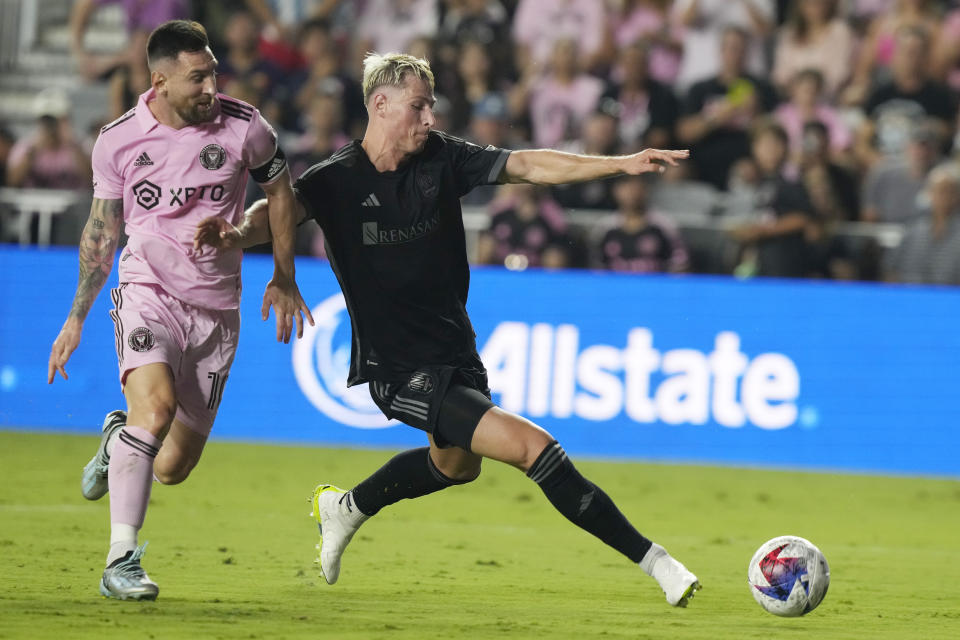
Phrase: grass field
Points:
(233, 549)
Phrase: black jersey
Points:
(396, 244)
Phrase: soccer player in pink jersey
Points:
(180, 156)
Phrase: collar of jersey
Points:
(149, 122)
(396, 173)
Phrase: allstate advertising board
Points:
(773, 373)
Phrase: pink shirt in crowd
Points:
(839, 133)
(170, 180)
(642, 23)
(557, 110)
(147, 15)
(538, 24)
(832, 55)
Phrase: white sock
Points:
(650, 559)
(350, 511)
(123, 538)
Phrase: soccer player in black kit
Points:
(389, 207)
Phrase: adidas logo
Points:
(143, 160)
(371, 201)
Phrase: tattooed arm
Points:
(98, 244)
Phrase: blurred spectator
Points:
(560, 100)
(476, 78)
(639, 244)
(281, 20)
(539, 24)
(907, 97)
(527, 223)
(483, 21)
(833, 198)
(832, 187)
(323, 74)
(128, 67)
(806, 104)
(882, 40)
(391, 25)
(50, 157)
(814, 37)
(930, 249)
(718, 111)
(599, 138)
(7, 141)
(946, 55)
(774, 244)
(488, 126)
(647, 22)
(242, 60)
(891, 186)
(324, 134)
(861, 13)
(702, 24)
(645, 108)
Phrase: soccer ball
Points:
(788, 576)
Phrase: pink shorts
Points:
(198, 344)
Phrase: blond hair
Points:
(391, 69)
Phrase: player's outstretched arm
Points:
(98, 244)
(282, 293)
(546, 166)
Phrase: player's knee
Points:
(531, 447)
(154, 413)
(173, 472)
(464, 472)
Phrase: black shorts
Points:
(445, 401)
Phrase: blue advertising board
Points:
(816, 375)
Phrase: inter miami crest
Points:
(212, 157)
(141, 339)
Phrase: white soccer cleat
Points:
(125, 579)
(677, 582)
(338, 519)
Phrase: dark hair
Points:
(797, 25)
(314, 24)
(170, 38)
(816, 126)
(768, 126)
(810, 74)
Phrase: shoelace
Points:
(130, 568)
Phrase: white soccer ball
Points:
(788, 576)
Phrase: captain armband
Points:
(271, 168)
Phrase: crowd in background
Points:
(800, 115)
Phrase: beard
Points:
(197, 113)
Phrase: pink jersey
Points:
(170, 180)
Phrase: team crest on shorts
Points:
(141, 339)
(421, 382)
(212, 157)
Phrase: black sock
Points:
(410, 474)
(584, 503)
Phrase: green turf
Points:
(233, 549)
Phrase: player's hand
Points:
(217, 233)
(284, 296)
(653, 160)
(63, 348)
